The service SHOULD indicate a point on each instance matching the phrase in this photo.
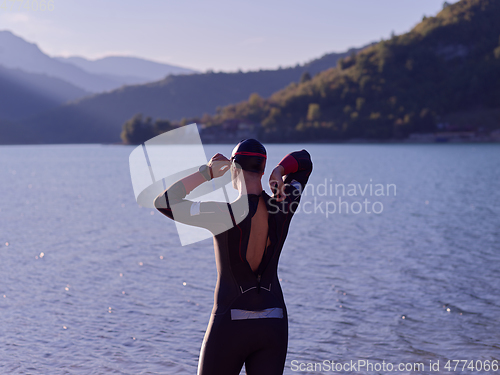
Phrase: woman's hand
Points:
(218, 165)
(276, 183)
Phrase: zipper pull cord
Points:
(258, 283)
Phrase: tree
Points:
(313, 112)
(305, 77)
(360, 102)
(162, 126)
(496, 51)
(136, 130)
(254, 100)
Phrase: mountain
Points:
(17, 53)
(127, 70)
(446, 68)
(26, 94)
(99, 118)
(32, 82)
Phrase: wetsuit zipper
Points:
(258, 283)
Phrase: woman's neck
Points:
(252, 186)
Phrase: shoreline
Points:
(347, 142)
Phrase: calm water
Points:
(91, 283)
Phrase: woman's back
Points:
(258, 240)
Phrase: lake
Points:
(393, 256)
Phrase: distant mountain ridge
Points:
(97, 76)
(99, 118)
(130, 70)
(16, 53)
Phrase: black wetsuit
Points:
(235, 334)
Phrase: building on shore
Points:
(454, 137)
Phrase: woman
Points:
(249, 321)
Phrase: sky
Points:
(218, 35)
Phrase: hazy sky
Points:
(222, 35)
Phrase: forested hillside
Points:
(447, 64)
